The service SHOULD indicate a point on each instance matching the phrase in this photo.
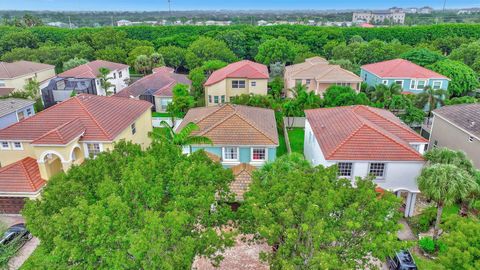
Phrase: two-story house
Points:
(457, 127)
(39, 147)
(156, 87)
(243, 77)
(364, 141)
(13, 110)
(411, 77)
(84, 79)
(14, 76)
(317, 75)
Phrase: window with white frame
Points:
(342, 84)
(385, 82)
(412, 84)
(230, 153)
(165, 101)
(29, 111)
(307, 82)
(93, 149)
(399, 82)
(238, 84)
(259, 154)
(437, 84)
(421, 84)
(253, 83)
(133, 128)
(17, 146)
(222, 98)
(20, 115)
(215, 99)
(209, 99)
(5, 145)
(377, 169)
(345, 169)
(119, 74)
(114, 75)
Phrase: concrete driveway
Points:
(26, 250)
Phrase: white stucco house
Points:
(364, 141)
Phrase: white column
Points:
(410, 204)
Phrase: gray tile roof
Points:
(20, 68)
(466, 116)
(10, 105)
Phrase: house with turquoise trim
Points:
(411, 77)
(239, 134)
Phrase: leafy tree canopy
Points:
(204, 49)
(314, 220)
(422, 56)
(74, 62)
(276, 50)
(173, 56)
(342, 96)
(131, 209)
(463, 78)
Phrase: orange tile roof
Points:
(241, 69)
(21, 176)
(100, 118)
(90, 69)
(400, 68)
(363, 133)
(243, 179)
(234, 124)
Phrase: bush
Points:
(424, 221)
(427, 244)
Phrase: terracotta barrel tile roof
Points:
(63, 134)
(363, 133)
(90, 69)
(234, 125)
(243, 179)
(103, 118)
(241, 69)
(400, 68)
(319, 69)
(21, 176)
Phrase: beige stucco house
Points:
(317, 75)
(243, 77)
(14, 76)
(457, 127)
(65, 135)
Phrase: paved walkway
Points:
(405, 233)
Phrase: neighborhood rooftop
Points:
(97, 118)
(10, 105)
(400, 68)
(363, 133)
(465, 116)
(234, 125)
(19, 68)
(160, 82)
(90, 69)
(321, 70)
(22, 176)
(242, 69)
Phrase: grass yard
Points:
(296, 137)
(282, 148)
(426, 264)
(160, 114)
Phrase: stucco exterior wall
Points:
(143, 125)
(320, 88)
(10, 156)
(19, 82)
(244, 154)
(446, 134)
(12, 118)
(224, 87)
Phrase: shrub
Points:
(427, 244)
(424, 221)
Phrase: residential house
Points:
(411, 77)
(457, 127)
(156, 87)
(14, 76)
(379, 17)
(364, 141)
(243, 77)
(37, 148)
(317, 75)
(13, 110)
(240, 134)
(84, 80)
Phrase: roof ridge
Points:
(22, 165)
(57, 129)
(345, 141)
(217, 123)
(393, 122)
(93, 118)
(213, 111)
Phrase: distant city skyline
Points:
(162, 5)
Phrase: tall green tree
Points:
(422, 56)
(32, 89)
(132, 209)
(143, 64)
(336, 96)
(74, 62)
(463, 78)
(445, 184)
(431, 99)
(137, 51)
(204, 49)
(174, 56)
(313, 220)
(276, 50)
(104, 79)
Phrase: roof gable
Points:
(242, 69)
(400, 68)
(91, 69)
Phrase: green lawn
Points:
(282, 148)
(159, 114)
(296, 137)
(426, 264)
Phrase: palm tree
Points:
(445, 184)
(382, 93)
(431, 98)
(182, 138)
(104, 79)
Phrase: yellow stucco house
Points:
(14, 76)
(35, 149)
(243, 77)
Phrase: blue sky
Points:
(223, 4)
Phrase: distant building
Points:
(262, 23)
(410, 10)
(62, 25)
(425, 10)
(379, 17)
(124, 23)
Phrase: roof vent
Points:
(472, 124)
